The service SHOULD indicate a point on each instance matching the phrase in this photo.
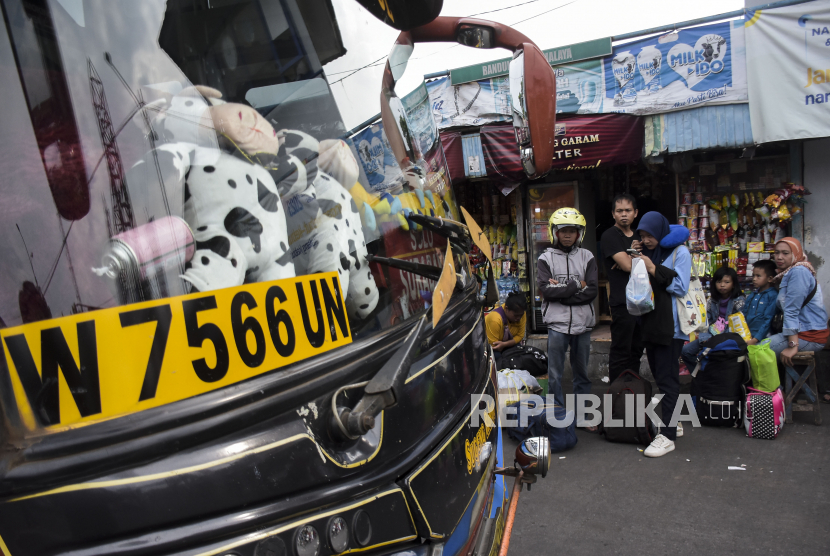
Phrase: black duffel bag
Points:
(526, 358)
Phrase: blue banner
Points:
(683, 69)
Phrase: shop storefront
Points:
(736, 198)
(592, 154)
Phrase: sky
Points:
(566, 22)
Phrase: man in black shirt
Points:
(626, 341)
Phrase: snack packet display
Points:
(773, 200)
(783, 194)
(733, 218)
(710, 237)
(779, 234)
(735, 200)
(794, 209)
(715, 204)
(763, 210)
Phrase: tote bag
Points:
(691, 308)
(763, 367)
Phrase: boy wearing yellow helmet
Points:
(566, 279)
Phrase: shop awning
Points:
(707, 127)
(582, 142)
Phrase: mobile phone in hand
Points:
(632, 252)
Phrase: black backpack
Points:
(526, 358)
(628, 385)
(717, 380)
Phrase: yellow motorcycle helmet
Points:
(564, 218)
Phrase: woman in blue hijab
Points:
(669, 266)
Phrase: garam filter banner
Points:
(789, 72)
(683, 69)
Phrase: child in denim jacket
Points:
(760, 305)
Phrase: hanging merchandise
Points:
(738, 229)
(733, 218)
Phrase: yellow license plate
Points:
(90, 367)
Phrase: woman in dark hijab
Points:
(669, 265)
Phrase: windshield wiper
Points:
(381, 392)
(421, 269)
(458, 234)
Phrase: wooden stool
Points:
(802, 358)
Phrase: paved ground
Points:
(606, 498)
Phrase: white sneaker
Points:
(679, 430)
(660, 446)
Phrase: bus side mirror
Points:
(477, 36)
(533, 105)
(404, 15)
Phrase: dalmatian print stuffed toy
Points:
(261, 207)
(337, 241)
(238, 222)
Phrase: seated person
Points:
(800, 299)
(725, 299)
(506, 324)
(760, 305)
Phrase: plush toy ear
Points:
(208, 92)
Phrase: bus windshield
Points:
(169, 148)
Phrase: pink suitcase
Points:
(763, 413)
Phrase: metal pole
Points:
(702, 20)
(365, 124)
(511, 514)
(437, 74)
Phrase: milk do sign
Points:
(683, 69)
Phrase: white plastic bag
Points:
(639, 299)
(517, 379)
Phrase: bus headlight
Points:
(534, 455)
(338, 533)
(307, 541)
